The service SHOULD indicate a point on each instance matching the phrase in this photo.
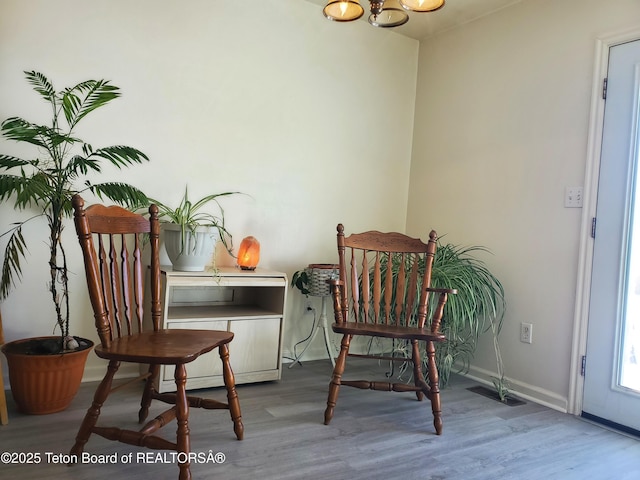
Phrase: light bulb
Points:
(343, 7)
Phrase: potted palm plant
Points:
(190, 234)
(43, 186)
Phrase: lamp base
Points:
(247, 268)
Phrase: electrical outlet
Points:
(526, 332)
(573, 197)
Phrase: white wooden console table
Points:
(251, 304)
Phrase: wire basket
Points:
(318, 274)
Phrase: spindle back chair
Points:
(384, 291)
(112, 240)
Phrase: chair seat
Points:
(387, 331)
(167, 347)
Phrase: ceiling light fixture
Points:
(381, 16)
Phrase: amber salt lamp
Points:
(249, 253)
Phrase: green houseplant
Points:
(478, 308)
(43, 186)
(190, 233)
(300, 280)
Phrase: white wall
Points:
(272, 100)
(312, 119)
(501, 129)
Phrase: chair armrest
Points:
(335, 281)
(442, 299)
(452, 291)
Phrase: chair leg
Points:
(336, 379)
(147, 394)
(418, 376)
(91, 417)
(435, 389)
(232, 395)
(182, 419)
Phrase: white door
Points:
(612, 366)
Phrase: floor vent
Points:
(487, 392)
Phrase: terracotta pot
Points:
(43, 384)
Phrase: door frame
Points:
(592, 175)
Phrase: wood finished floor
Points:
(374, 435)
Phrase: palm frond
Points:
(81, 164)
(10, 185)
(7, 162)
(85, 97)
(87, 149)
(121, 193)
(49, 138)
(120, 155)
(27, 190)
(11, 270)
(37, 190)
(18, 129)
(42, 85)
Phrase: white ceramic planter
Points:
(198, 249)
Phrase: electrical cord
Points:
(313, 327)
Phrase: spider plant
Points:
(188, 217)
(45, 183)
(476, 309)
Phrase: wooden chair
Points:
(4, 415)
(383, 290)
(111, 239)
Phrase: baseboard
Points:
(96, 373)
(522, 390)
